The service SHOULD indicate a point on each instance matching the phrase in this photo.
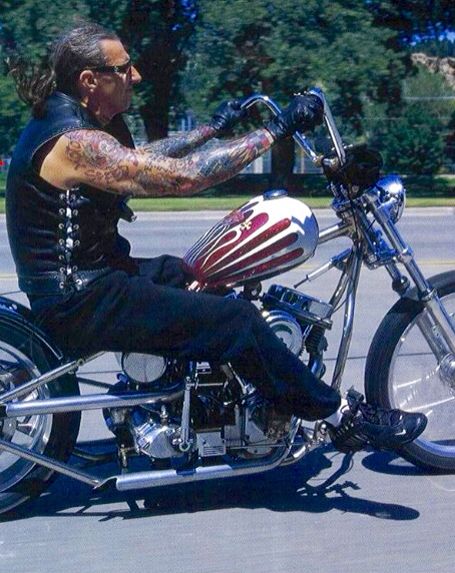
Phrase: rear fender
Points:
(16, 315)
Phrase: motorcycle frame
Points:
(368, 247)
(348, 261)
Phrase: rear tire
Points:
(402, 372)
(24, 351)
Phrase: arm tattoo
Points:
(203, 168)
(99, 158)
(181, 144)
(102, 162)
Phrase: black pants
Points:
(147, 312)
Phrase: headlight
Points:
(391, 191)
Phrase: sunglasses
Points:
(122, 69)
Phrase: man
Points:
(71, 171)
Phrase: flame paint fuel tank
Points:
(270, 234)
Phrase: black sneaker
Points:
(364, 424)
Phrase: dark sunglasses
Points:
(122, 69)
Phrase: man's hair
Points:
(75, 50)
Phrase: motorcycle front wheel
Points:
(403, 372)
(23, 355)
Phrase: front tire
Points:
(402, 372)
(23, 355)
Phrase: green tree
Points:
(27, 27)
(414, 19)
(413, 139)
(13, 115)
(156, 32)
(413, 143)
(281, 47)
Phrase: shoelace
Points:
(376, 415)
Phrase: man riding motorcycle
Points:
(73, 168)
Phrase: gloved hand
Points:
(304, 112)
(228, 114)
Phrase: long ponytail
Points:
(75, 50)
(34, 82)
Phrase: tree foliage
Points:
(279, 48)
(414, 139)
(413, 143)
(414, 20)
(156, 32)
(27, 30)
(194, 53)
(284, 46)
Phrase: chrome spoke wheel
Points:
(419, 383)
(31, 432)
(24, 354)
(407, 369)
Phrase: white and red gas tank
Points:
(270, 234)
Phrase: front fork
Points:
(435, 324)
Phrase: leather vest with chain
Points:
(62, 239)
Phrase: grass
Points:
(423, 191)
(229, 203)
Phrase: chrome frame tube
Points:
(185, 419)
(442, 319)
(425, 324)
(404, 252)
(46, 462)
(46, 378)
(344, 280)
(348, 322)
(340, 229)
(335, 261)
(86, 402)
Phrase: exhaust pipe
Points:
(143, 480)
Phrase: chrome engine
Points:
(215, 418)
(156, 434)
(216, 413)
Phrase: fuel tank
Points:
(266, 236)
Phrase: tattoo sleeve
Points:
(99, 160)
(182, 144)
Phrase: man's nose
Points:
(135, 76)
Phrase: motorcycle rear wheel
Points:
(53, 435)
(402, 372)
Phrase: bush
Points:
(413, 143)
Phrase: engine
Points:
(216, 417)
(214, 412)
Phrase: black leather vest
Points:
(60, 240)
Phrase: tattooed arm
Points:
(182, 144)
(95, 158)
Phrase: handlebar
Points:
(299, 138)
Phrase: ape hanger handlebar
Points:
(299, 138)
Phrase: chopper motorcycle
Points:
(177, 422)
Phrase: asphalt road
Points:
(330, 513)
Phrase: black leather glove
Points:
(304, 113)
(228, 114)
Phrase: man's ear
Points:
(87, 80)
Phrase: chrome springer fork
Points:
(436, 317)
